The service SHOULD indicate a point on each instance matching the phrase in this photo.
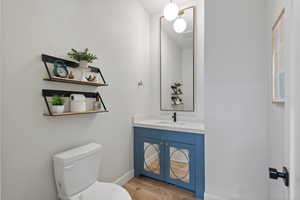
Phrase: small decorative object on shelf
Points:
(76, 75)
(83, 57)
(78, 103)
(58, 104)
(176, 100)
(71, 76)
(97, 105)
(91, 78)
(75, 95)
(60, 69)
(176, 94)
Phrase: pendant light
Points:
(171, 11)
(180, 24)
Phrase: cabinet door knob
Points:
(161, 143)
(167, 144)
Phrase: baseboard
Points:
(212, 197)
(125, 178)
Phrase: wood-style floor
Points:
(148, 189)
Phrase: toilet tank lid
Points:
(77, 153)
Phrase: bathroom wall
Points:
(118, 32)
(276, 112)
(236, 100)
(1, 97)
(294, 108)
(199, 62)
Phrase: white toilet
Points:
(76, 173)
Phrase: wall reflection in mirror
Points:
(177, 62)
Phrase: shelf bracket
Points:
(101, 100)
(48, 107)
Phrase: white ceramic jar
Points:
(78, 103)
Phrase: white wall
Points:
(199, 62)
(117, 32)
(235, 100)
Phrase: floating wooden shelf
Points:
(75, 113)
(51, 93)
(66, 80)
(50, 59)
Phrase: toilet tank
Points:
(76, 169)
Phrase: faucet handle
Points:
(174, 116)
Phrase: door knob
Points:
(274, 174)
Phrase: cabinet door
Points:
(180, 167)
(152, 158)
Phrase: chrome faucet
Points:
(174, 117)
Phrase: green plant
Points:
(177, 84)
(82, 55)
(58, 101)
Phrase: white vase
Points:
(83, 64)
(58, 109)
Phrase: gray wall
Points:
(1, 97)
(117, 31)
(294, 106)
(235, 100)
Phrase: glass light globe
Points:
(171, 11)
(180, 25)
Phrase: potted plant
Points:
(58, 104)
(83, 57)
(177, 84)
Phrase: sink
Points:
(171, 123)
(165, 124)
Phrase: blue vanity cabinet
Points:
(170, 156)
(148, 153)
(149, 157)
(180, 172)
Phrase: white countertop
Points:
(182, 126)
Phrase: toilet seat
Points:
(103, 191)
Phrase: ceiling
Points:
(155, 6)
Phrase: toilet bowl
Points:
(76, 174)
(105, 191)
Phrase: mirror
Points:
(180, 164)
(152, 158)
(177, 62)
